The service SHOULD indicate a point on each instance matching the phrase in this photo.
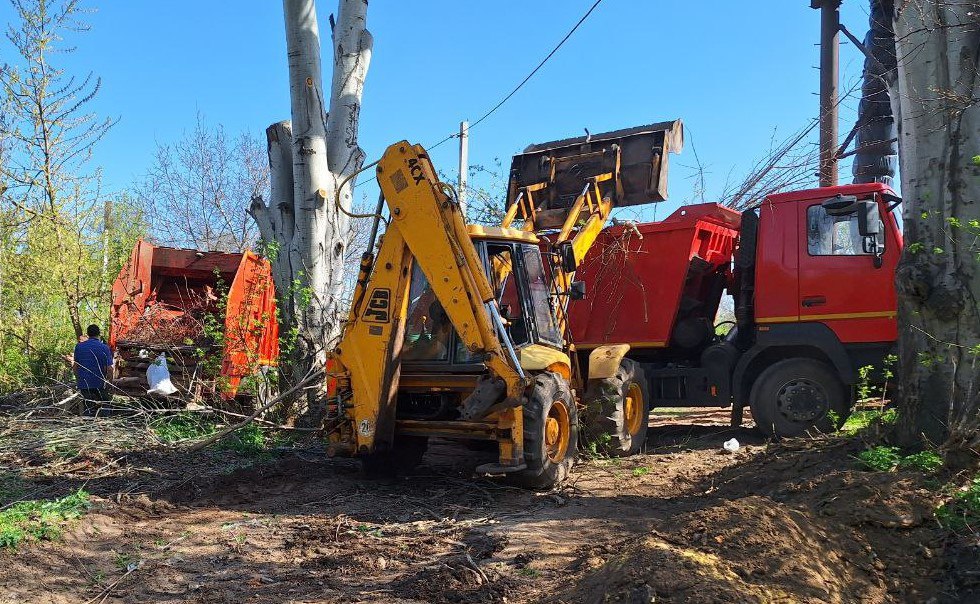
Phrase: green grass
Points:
(859, 420)
(963, 508)
(183, 426)
(40, 520)
(11, 488)
(250, 440)
(886, 459)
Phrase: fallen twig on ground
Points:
(311, 378)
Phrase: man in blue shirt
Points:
(92, 361)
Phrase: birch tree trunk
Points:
(309, 159)
(938, 280)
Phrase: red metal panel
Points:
(635, 278)
(855, 299)
(130, 292)
(777, 283)
(251, 330)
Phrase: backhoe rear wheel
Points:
(550, 433)
(619, 410)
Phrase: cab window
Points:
(428, 331)
(505, 287)
(540, 294)
(828, 235)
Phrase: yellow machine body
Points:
(365, 371)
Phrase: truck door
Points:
(839, 283)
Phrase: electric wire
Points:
(492, 109)
(526, 79)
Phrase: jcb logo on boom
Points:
(415, 169)
(377, 310)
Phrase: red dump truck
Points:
(194, 308)
(812, 276)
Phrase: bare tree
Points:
(937, 44)
(313, 161)
(51, 138)
(199, 187)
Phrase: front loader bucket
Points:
(629, 166)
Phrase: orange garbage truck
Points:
(211, 316)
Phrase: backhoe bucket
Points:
(629, 166)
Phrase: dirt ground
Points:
(790, 522)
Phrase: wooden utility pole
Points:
(829, 82)
(464, 162)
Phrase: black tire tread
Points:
(764, 413)
(541, 472)
(603, 401)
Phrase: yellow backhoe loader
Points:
(457, 331)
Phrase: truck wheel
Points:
(550, 433)
(619, 410)
(796, 395)
(404, 456)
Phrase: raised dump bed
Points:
(657, 284)
(212, 314)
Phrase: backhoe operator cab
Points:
(517, 276)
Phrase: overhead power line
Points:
(512, 92)
(528, 77)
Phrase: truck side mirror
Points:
(869, 221)
(869, 227)
(576, 290)
(566, 255)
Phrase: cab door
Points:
(839, 283)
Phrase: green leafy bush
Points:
(859, 420)
(963, 509)
(886, 459)
(924, 461)
(881, 459)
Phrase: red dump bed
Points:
(643, 279)
(159, 303)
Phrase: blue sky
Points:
(733, 72)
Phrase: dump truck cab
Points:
(815, 295)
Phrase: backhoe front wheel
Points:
(550, 433)
(619, 410)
